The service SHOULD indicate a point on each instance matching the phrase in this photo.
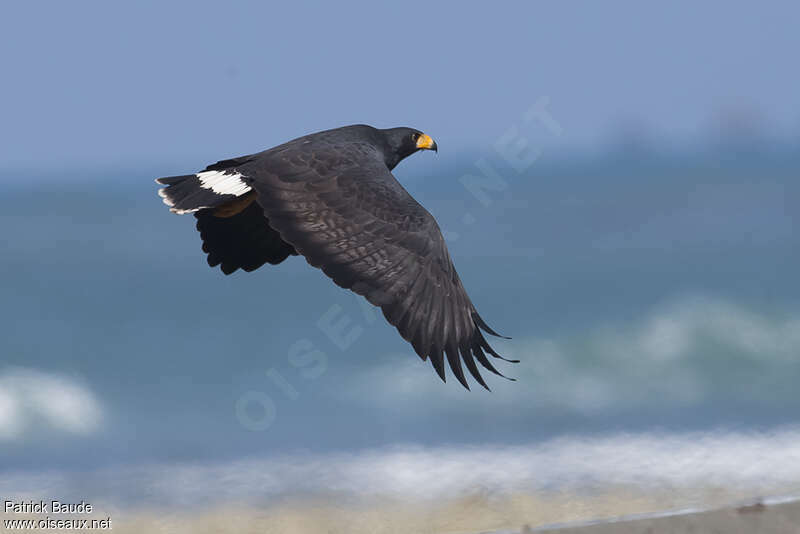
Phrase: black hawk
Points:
(331, 197)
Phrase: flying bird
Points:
(331, 197)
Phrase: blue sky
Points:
(93, 83)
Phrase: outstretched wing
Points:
(236, 237)
(341, 208)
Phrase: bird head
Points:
(402, 142)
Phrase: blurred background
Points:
(618, 184)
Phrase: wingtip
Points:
(485, 327)
(437, 360)
(484, 361)
(488, 348)
(469, 361)
(454, 359)
(495, 334)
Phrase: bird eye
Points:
(414, 137)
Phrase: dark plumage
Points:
(330, 196)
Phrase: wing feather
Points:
(340, 207)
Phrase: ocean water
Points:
(690, 466)
(653, 302)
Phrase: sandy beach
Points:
(620, 512)
(757, 517)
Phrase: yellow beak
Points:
(426, 143)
